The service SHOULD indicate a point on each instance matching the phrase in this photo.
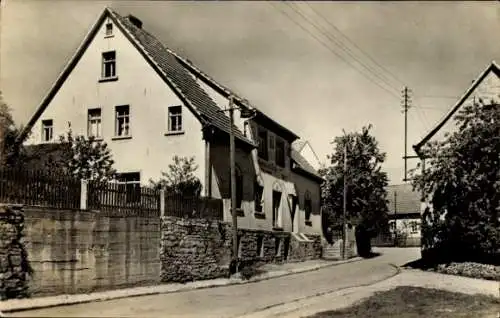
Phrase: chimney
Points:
(135, 21)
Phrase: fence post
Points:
(162, 202)
(83, 195)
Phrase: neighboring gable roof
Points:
(402, 199)
(493, 67)
(164, 63)
(299, 145)
(302, 165)
(302, 145)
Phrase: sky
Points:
(318, 68)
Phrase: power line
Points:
(331, 50)
(341, 46)
(437, 96)
(355, 45)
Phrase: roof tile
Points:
(181, 78)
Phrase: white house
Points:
(148, 103)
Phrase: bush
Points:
(246, 268)
(471, 269)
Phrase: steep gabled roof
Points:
(493, 67)
(402, 199)
(226, 92)
(164, 63)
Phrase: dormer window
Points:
(109, 29)
(109, 65)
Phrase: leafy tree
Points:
(10, 150)
(87, 159)
(461, 179)
(180, 178)
(366, 183)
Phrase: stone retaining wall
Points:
(73, 251)
(196, 249)
(14, 267)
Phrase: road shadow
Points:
(419, 264)
(371, 255)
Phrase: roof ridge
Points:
(493, 66)
(180, 78)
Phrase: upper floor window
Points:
(47, 130)
(307, 206)
(108, 64)
(109, 29)
(94, 123)
(280, 153)
(122, 125)
(175, 118)
(263, 151)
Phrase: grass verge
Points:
(412, 302)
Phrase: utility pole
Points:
(395, 218)
(344, 212)
(406, 106)
(232, 165)
(247, 114)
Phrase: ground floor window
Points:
(276, 207)
(258, 195)
(130, 183)
(414, 227)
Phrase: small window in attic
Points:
(109, 29)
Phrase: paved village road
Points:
(237, 300)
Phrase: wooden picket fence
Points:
(193, 207)
(39, 188)
(123, 199)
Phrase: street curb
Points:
(260, 310)
(75, 299)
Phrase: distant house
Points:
(148, 103)
(404, 213)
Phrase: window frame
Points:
(258, 198)
(132, 189)
(49, 128)
(105, 62)
(126, 118)
(307, 207)
(108, 31)
(263, 149)
(90, 121)
(280, 161)
(414, 227)
(276, 200)
(177, 116)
